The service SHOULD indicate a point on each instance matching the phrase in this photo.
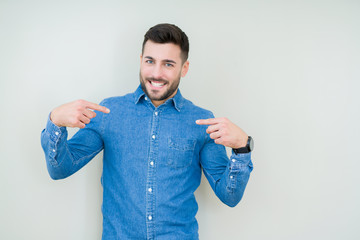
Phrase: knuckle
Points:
(78, 115)
(80, 103)
(74, 122)
(79, 107)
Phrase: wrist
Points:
(247, 148)
(53, 120)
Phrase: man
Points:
(155, 144)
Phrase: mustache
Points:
(156, 80)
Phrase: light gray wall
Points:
(287, 72)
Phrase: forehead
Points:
(162, 51)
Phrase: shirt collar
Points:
(139, 93)
(177, 100)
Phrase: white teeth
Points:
(157, 84)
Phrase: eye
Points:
(149, 61)
(169, 65)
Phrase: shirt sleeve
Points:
(228, 177)
(65, 157)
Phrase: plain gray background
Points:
(287, 72)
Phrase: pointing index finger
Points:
(209, 121)
(94, 106)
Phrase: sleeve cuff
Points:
(53, 130)
(241, 161)
(242, 158)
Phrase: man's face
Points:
(160, 70)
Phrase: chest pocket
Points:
(180, 152)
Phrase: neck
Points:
(159, 102)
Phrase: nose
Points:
(157, 71)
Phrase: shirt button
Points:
(150, 190)
(146, 98)
(53, 150)
(152, 163)
(153, 136)
(150, 217)
(231, 177)
(156, 113)
(233, 160)
(56, 133)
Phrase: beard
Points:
(154, 94)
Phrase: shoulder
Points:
(189, 106)
(117, 101)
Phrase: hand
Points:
(75, 114)
(224, 132)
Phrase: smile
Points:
(157, 84)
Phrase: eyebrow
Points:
(165, 60)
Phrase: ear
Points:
(141, 58)
(185, 69)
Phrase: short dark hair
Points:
(168, 33)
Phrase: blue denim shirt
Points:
(152, 162)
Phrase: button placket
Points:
(151, 185)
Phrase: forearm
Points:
(54, 144)
(63, 157)
(230, 185)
